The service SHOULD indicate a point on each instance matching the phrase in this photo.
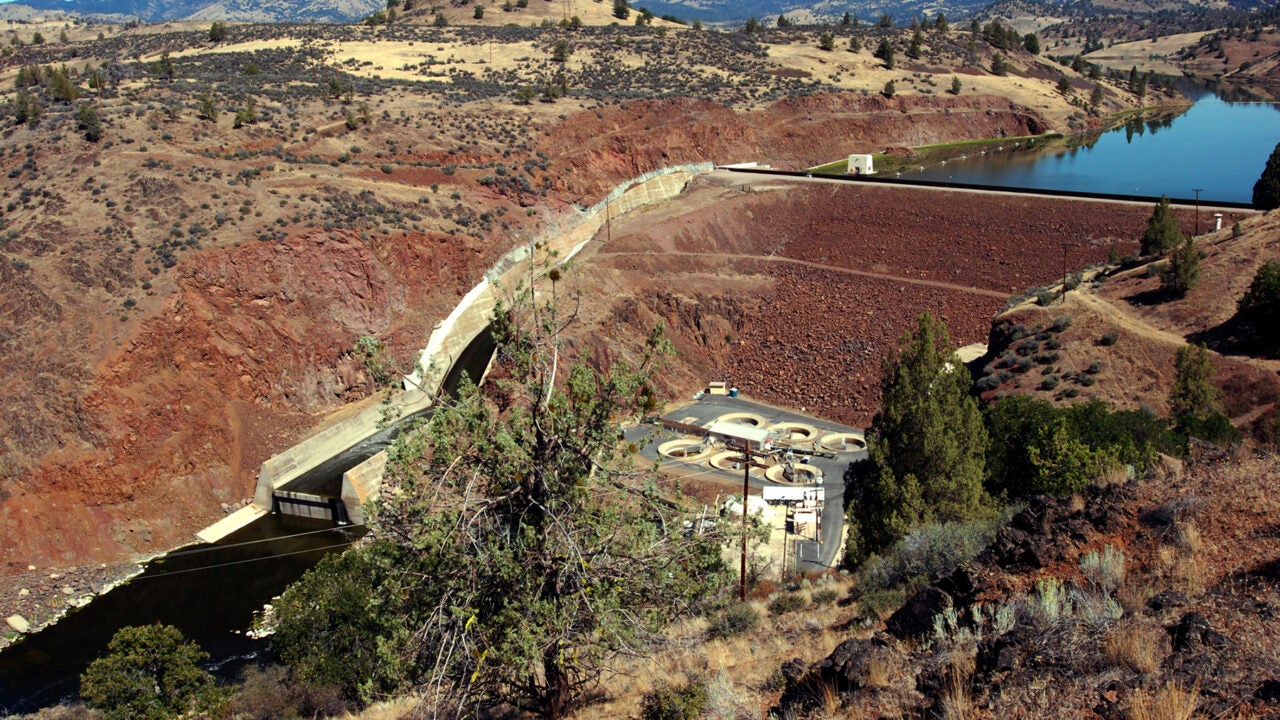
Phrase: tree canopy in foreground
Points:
(516, 556)
(927, 446)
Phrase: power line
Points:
(211, 548)
(175, 554)
(243, 562)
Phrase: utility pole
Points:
(746, 478)
(1065, 271)
(747, 460)
(1197, 191)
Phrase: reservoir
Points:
(1217, 146)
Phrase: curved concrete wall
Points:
(472, 315)
(446, 342)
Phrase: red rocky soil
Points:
(141, 400)
(795, 294)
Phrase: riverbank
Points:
(37, 599)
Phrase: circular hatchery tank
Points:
(742, 418)
(685, 449)
(802, 474)
(729, 460)
(844, 442)
(794, 432)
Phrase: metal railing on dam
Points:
(360, 439)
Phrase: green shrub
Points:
(666, 702)
(882, 602)
(924, 555)
(786, 602)
(824, 596)
(735, 620)
(1109, 339)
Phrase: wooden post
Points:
(746, 477)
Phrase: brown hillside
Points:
(1124, 332)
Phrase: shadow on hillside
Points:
(1155, 296)
(1236, 336)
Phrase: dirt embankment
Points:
(167, 329)
(796, 291)
(1124, 333)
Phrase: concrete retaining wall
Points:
(277, 472)
(566, 238)
(362, 484)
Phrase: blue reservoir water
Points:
(1217, 146)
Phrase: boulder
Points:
(1269, 692)
(915, 618)
(18, 623)
(1194, 630)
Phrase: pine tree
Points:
(1162, 231)
(927, 445)
(1266, 191)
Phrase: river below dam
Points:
(210, 592)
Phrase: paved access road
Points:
(710, 407)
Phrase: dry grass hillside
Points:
(182, 294)
(1140, 597)
(1124, 332)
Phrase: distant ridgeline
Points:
(338, 11)
(867, 11)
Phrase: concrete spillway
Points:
(354, 447)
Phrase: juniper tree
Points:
(1260, 305)
(1195, 403)
(916, 47)
(885, 52)
(1183, 272)
(150, 672)
(88, 120)
(927, 446)
(524, 554)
